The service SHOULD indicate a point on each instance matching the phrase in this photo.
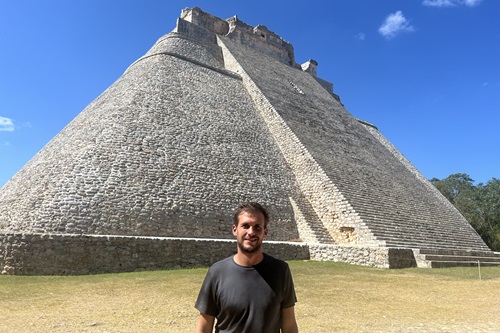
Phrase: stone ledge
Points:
(71, 254)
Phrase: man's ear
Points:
(234, 229)
(265, 232)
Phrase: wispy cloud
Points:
(451, 3)
(6, 124)
(438, 3)
(360, 36)
(394, 24)
(472, 3)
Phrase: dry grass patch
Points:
(343, 298)
(333, 297)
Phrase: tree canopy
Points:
(479, 204)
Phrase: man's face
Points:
(250, 232)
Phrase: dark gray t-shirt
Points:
(247, 299)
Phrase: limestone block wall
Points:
(380, 257)
(329, 205)
(179, 44)
(205, 20)
(66, 254)
(261, 40)
(170, 149)
(390, 201)
(217, 113)
(432, 189)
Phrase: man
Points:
(250, 292)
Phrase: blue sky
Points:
(425, 72)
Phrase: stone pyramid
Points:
(218, 112)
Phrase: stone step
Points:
(430, 244)
(445, 264)
(374, 221)
(416, 246)
(462, 243)
(426, 251)
(365, 203)
(411, 229)
(427, 236)
(424, 240)
(432, 257)
(441, 258)
(409, 234)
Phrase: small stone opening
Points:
(347, 233)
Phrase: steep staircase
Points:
(310, 227)
(438, 258)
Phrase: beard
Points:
(249, 249)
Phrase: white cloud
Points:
(360, 36)
(394, 24)
(451, 3)
(471, 3)
(6, 124)
(439, 3)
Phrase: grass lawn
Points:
(333, 297)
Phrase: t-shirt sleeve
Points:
(289, 297)
(206, 303)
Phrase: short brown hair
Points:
(250, 207)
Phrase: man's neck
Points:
(248, 259)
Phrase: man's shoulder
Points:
(270, 260)
(222, 264)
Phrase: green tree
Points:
(480, 204)
(489, 207)
(453, 185)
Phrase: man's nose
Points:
(251, 231)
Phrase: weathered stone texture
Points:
(218, 112)
(329, 208)
(66, 254)
(381, 192)
(168, 150)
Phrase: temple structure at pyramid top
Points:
(218, 112)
